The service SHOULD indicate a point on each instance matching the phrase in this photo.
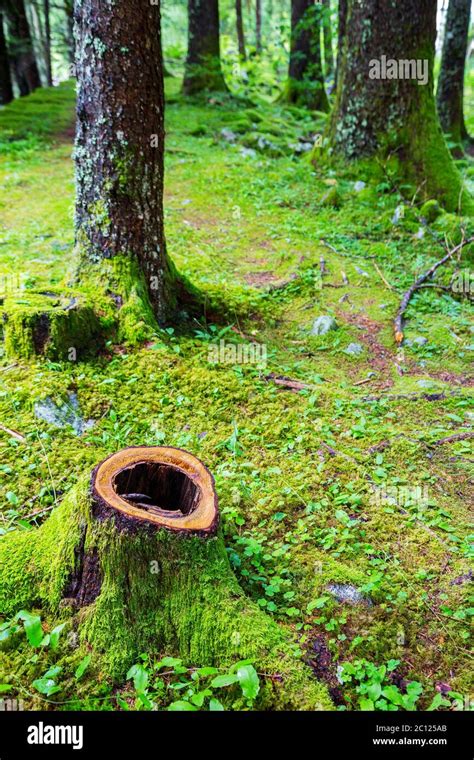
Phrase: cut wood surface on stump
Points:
(165, 486)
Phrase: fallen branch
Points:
(13, 434)
(453, 438)
(286, 382)
(398, 322)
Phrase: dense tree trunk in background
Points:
(6, 89)
(22, 52)
(47, 42)
(450, 95)
(341, 34)
(240, 29)
(327, 35)
(203, 65)
(69, 9)
(375, 114)
(305, 76)
(258, 26)
(119, 152)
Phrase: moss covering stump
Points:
(57, 326)
(135, 557)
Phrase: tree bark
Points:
(341, 34)
(203, 65)
(6, 88)
(47, 42)
(119, 155)
(327, 36)
(258, 26)
(377, 114)
(305, 76)
(133, 578)
(240, 29)
(450, 95)
(23, 57)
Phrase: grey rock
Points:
(420, 341)
(345, 592)
(228, 135)
(66, 414)
(323, 325)
(359, 185)
(354, 349)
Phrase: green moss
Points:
(192, 606)
(58, 326)
(430, 210)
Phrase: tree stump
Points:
(134, 558)
(56, 326)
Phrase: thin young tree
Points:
(341, 34)
(240, 29)
(47, 42)
(258, 26)
(25, 67)
(203, 64)
(450, 93)
(382, 114)
(327, 38)
(305, 83)
(6, 88)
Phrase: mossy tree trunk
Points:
(119, 152)
(327, 36)
(305, 84)
(6, 88)
(23, 57)
(450, 94)
(375, 114)
(203, 63)
(129, 585)
(240, 29)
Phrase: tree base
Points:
(133, 586)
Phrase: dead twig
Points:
(382, 277)
(398, 322)
(452, 438)
(286, 382)
(13, 433)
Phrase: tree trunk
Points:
(450, 95)
(69, 9)
(327, 36)
(341, 35)
(240, 29)
(377, 114)
(135, 562)
(47, 42)
(23, 57)
(305, 77)
(203, 64)
(119, 158)
(258, 26)
(6, 89)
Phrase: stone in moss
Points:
(331, 198)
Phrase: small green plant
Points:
(374, 689)
(197, 688)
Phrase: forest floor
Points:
(345, 509)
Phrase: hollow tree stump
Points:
(134, 558)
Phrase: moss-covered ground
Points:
(341, 487)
